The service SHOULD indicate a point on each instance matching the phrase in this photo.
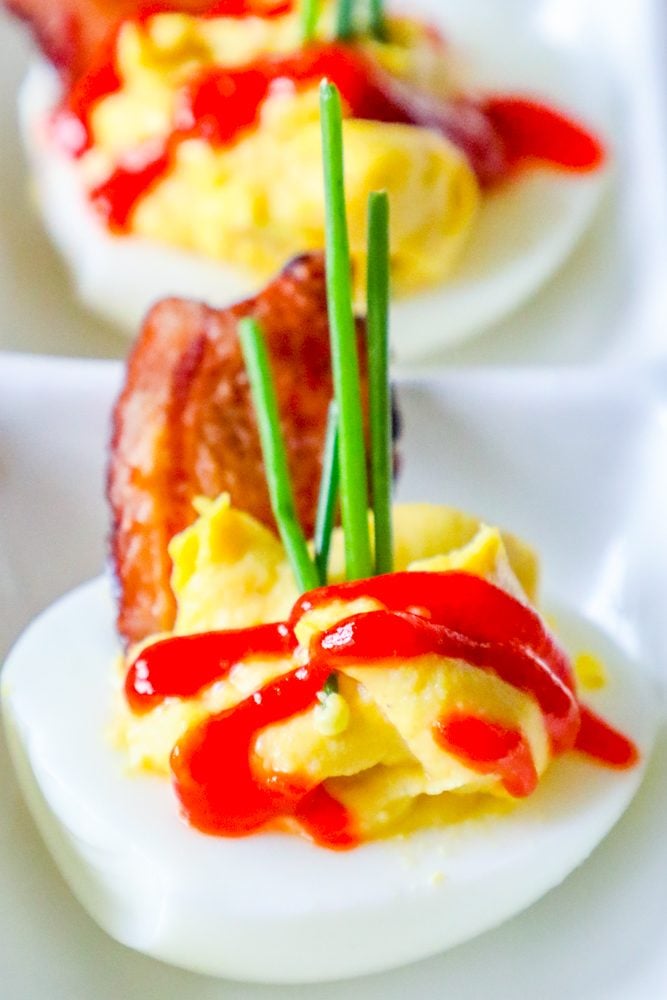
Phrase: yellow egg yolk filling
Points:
(372, 742)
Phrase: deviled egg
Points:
(190, 163)
(310, 761)
(429, 872)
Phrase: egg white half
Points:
(270, 907)
(524, 232)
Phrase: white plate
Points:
(598, 306)
(572, 461)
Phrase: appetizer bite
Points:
(177, 151)
(363, 704)
(376, 745)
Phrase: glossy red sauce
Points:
(533, 131)
(217, 776)
(116, 199)
(247, 8)
(222, 789)
(597, 739)
(71, 126)
(497, 135)
(220, 104)
(183, 666)
(463, 617)
(72, 122)
(489, 748)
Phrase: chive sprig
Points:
(377, 326)
(378, 22)
(275, 456)
(345, 462)
(310, 15)
(343, 333)
(345, 20)
(328, 498)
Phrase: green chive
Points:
(331, 684)
(377, 325)
(378, 21)
(275, 457)
(344, 358)
(328, 499)
(345, 20)
(310, 13)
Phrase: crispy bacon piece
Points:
(184, 426)
(71, 33)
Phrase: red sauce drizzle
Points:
(597, 739)
(183, 666)
(532, 131)
(218, 778)
(489, 748)
(221, 104)
(460, 616)
(246, 8)
(72, 122)
(497, 135)
(221, 788)
(71, 125)
(116, 199)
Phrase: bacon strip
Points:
(184, 426)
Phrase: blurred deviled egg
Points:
(181, 155)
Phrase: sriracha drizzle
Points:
(222, 789)
(463, 617)
(489, 748)
(599, 740)
(219, 779)
(183, 666)
(72, 122)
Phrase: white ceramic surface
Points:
(572, 461)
